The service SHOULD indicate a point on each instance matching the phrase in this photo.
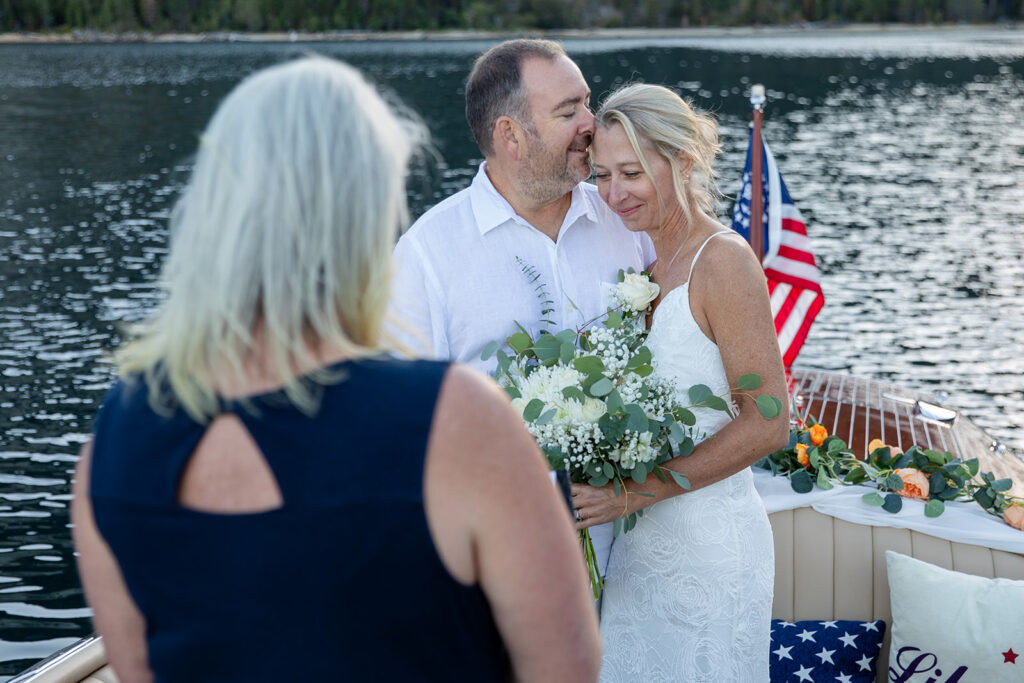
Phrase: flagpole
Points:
(757, 100)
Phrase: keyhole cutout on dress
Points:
(227, 473)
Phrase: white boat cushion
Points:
(949, 626)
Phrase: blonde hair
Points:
(667, 123)
(286, 229)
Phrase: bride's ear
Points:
(685, 162)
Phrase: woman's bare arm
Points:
(115, 615)
(730, 300)
(497, 520)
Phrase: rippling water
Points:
(904, 151)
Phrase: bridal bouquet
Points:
(589, 398)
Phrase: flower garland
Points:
(813, 457)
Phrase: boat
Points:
(826, 567)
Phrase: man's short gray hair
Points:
(495, 86)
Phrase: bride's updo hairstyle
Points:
(281, 242)
(656, 118)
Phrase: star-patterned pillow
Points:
(825, 651)
(948, 626)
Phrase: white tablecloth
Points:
(961, 522)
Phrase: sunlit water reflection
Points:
(903, 150)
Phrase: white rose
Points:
(636, 292)
(593, 409)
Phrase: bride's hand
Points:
(595, 505)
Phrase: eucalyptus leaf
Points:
(588, 365)
(659, 472)
(893, 482)
(873, 499)
(717, 403)
(622, 275)
(547, 347)
(599, 480)
(613, 402)
(823, 480)
(512, 392)
(641, 357)
(936, 457)
(679, 478)
(637, 419)
(644, 370)
(566, 352)
(533, 409)
(504, 361)
(984, 498)
(769, 406)
(972, 466)
(801, 482)
(601, 387)
(815, 458)
(617, 487)
(936, 482)
(834, 445)
(676, 434)
(614, 320)
(489, 350)
(639, 475)
(574, 394)
(934, 508)
(893, 503)
(546, 416)
(566, 337)
(686, 447)
(608, 469)
(1002, 484)
(855, 476)
(519, 342)
(699, 393)
(617, 527)
(749, 382)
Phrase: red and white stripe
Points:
(794, 281)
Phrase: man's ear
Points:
(509, 136)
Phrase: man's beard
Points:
(548, 174)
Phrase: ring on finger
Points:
(579, 516)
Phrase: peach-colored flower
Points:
(915, 483)
(875, 444)
(818, 435)
(1014, 515)
(801, 455)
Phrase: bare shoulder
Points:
(475, 416)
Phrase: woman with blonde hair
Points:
(689, 590)
(269, 498)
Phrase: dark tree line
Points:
(383, 15)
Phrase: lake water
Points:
(903, 150)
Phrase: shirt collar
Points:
(491, 210)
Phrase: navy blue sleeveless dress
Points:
(341, 583)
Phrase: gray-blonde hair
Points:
(284, 232)
(668, 124)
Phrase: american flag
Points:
(794, 280)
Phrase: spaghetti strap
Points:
(697, 255)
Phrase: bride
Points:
(688, 592)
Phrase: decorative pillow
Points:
(817, 651)
(949, 627)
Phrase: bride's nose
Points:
(616, 192)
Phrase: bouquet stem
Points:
(590, 557)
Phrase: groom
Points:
(527, 241)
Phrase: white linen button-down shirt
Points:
(460, 277)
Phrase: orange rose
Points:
(801, 455)
(875, 444)
(1014, 515)
(818, 434)
(915, 483)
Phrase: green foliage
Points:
(832, 463)
(390, 15)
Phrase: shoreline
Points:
(88, 36)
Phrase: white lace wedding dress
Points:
(688, 592)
